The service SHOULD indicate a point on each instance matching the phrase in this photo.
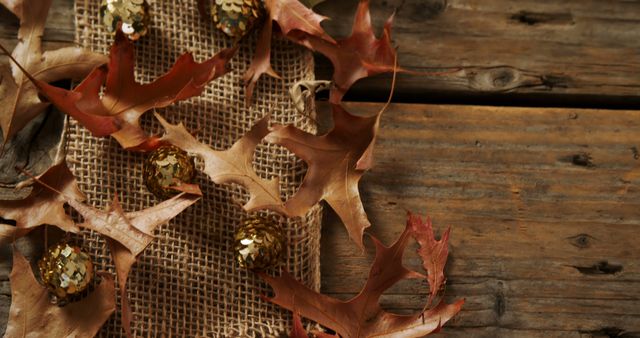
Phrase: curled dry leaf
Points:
(360, 55)
(32, 315)
(234, 165)
(20, 102)
(362, 315)
(304, 89)
(434, 253)
(43, 205)
(332, 173)
(124, 101)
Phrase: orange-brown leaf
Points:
(434, 253)
(332, 173)
(123, 260)
(134, 230)
(32, 315)
(19, 96)
(234, 165)
(43, 205)
(362, 315)
(124, 101)
(129, 233)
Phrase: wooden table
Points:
(544, 203)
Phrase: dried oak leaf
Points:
(19, 97)
(129, 233)
(434, 253)
(43, 205)
(293, 18)
(32, 315)
(362, 315)
(332, 173)
(360, 55)
(124, 101)
(233, 165)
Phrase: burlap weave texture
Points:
(186, 283)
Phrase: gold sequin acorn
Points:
(236, 17)
(66, 271)
(165, 167)
(132, 14)
(260, 244)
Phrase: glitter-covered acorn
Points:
(260, 244)
(133, 14)
(66, 271)
(236, 17)
(165, 167)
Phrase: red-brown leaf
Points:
(332, 173)
(362, 315)
(433, 253)
(298, 330)
(118, 111)
(32, 315)
(43, 205)
(360, 55)
(291, 15)
(234, 165)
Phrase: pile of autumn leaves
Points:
(108, 102)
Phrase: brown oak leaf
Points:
(20, 102)
(118, 110)
(362, 315)
(332, 173)
(358, 56)
(32, 314)
(43, 205)
(233, 165)
(434, 253)
(129, 233)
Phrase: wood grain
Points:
(574, 52)
(544, 205)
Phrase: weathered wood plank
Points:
(574, 52)
(567, 53)
(543, 237)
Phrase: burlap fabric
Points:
(186, 283)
